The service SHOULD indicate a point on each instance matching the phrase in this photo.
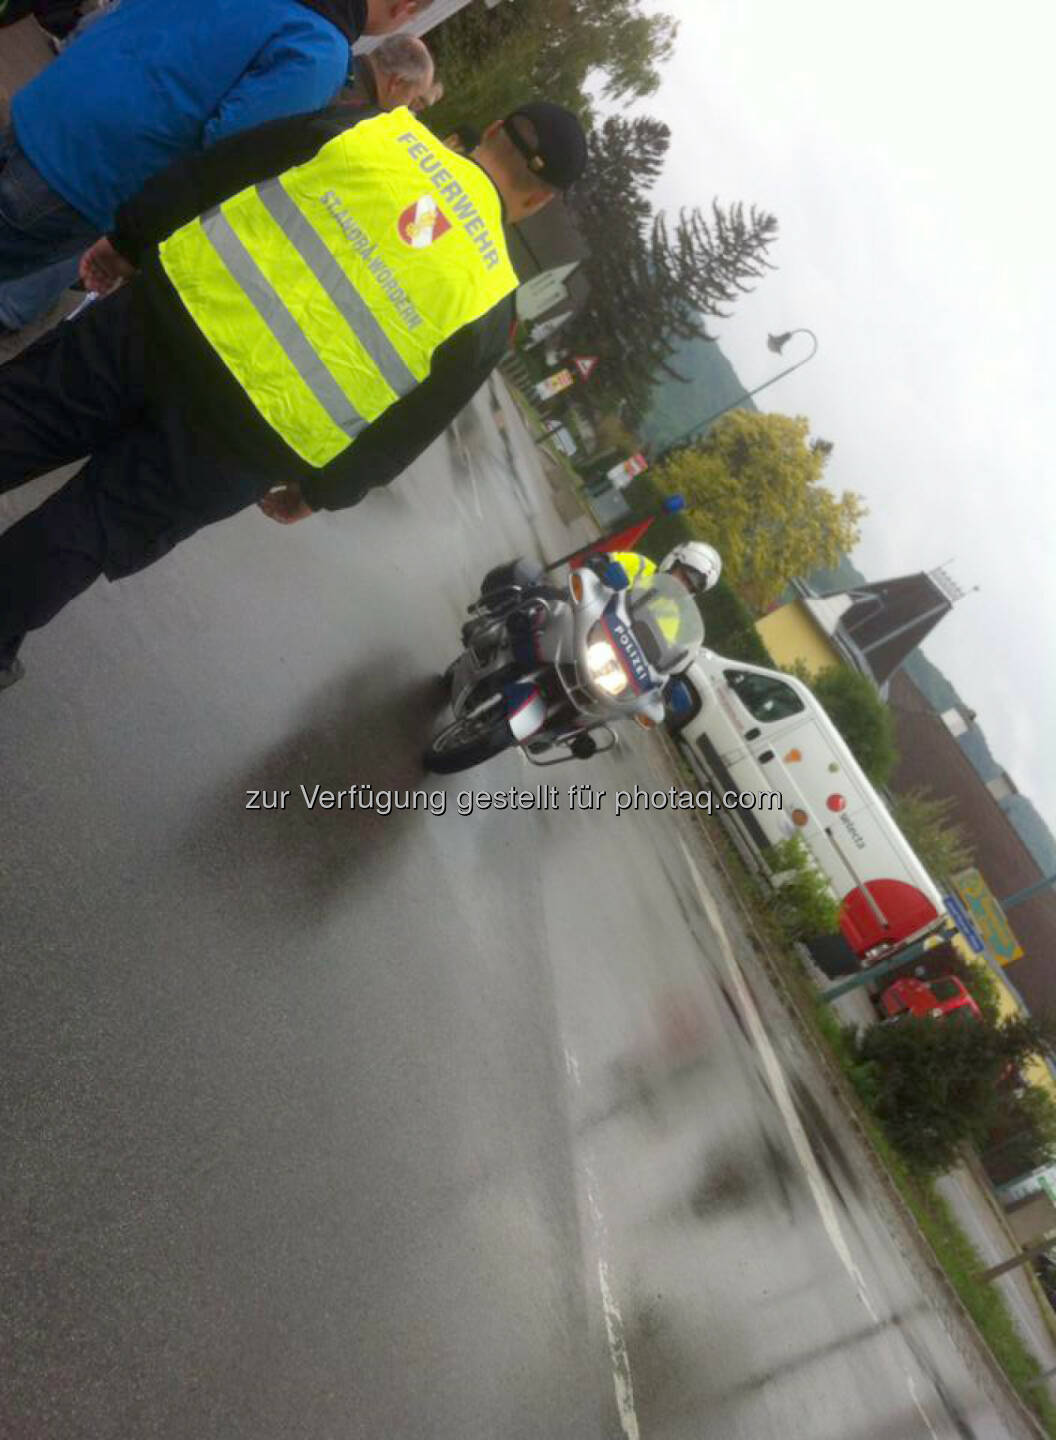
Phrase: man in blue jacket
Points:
(155, 80)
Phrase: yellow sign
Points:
(554, 384)
(988, 917)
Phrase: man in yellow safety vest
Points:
(697, 564)
(317, 299)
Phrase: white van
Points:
(755, 731)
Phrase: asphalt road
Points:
(330, 1123)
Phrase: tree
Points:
(653, 284)
(613, 434)
(586, 39)
(861, 717)
(935, 1083)
(924, 819)
(754, 487)
(708, 263)
(490, 60)
(1023, 1133)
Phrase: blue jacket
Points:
(158, 78)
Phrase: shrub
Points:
(802, 904)
(938, 1081)
(729, 627)
(861, 717)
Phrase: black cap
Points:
(559, 156)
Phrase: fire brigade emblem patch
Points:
(422, 223)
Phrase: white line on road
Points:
(468, 462)
(780, 1091)
(918, 1403)
(614, 1327)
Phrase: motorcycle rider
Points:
(696, 564)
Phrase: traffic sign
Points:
(585, 365)
(962, 920)
(623, 473)
(554, 384)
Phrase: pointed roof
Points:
(876, 625)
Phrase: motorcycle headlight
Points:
(605, 669)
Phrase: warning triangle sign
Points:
(585, 365)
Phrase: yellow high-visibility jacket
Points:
(327, 290)
(637, 567)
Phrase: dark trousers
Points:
(154, 475)
(37, 226)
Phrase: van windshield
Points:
(764, 697)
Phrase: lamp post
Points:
(776, 343)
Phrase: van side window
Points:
(767, 699)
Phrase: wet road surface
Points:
(338, 1123)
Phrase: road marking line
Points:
(468, 462)
(923, 1413)
(614, 1327)
(779, 1089)
(621, 1369)
(476, 490)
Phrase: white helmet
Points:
(704, 561)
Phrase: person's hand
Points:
(102, 269)
(285, 504)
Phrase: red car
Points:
(932, 999)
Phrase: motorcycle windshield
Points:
(665, 620)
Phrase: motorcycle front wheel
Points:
(467, 742)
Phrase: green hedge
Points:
(803, 905)
(729, 627)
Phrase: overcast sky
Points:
(908, 151)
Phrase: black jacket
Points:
(180, 358)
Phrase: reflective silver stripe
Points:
(337, 285)
(269, 306)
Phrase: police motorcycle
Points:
(552, 669)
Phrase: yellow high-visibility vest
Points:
(636, 567)
(327, 290)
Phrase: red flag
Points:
(618, 540)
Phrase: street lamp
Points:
(776, 343)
